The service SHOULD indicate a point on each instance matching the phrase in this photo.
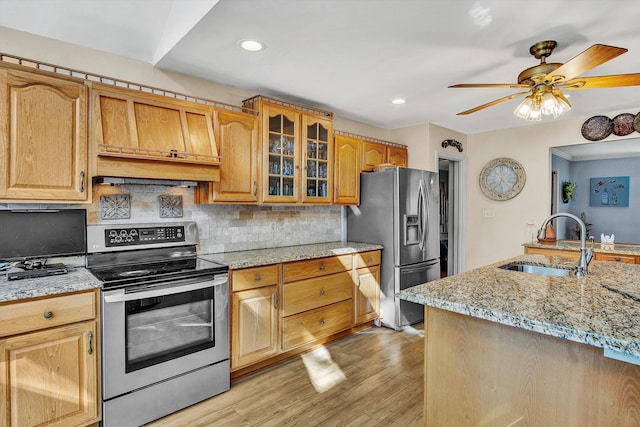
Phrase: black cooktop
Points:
(150, 266)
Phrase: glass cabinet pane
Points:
(288, 127)
(317, 156)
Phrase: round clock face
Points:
(502, 179)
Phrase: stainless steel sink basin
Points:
(525, 267)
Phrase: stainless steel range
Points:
(164, 320)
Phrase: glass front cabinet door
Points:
(282, 159)
(318, 165)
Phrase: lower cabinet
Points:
(254, 314)
(627, 259)
(282, 309)
(50, 376)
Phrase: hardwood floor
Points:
(372, 378)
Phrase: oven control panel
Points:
(143, 235)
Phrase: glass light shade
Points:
(550, 103)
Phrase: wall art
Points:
(609, 191)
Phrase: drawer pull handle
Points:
(321, 291)
(274, 296)
(321, 267)
(48, 315)
(257, 278)
(617, 258)
(321, 322)
(90, 335)
(369, 259)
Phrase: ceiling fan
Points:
(543, 82)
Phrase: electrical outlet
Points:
(488, 213)
(273, 227)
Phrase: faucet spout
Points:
(585, 257)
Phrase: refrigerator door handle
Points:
(413, 270)
(422, 233)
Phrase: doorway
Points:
(452, 179)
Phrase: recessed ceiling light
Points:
(398, 101)
(251, 45)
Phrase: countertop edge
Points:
(626, 347)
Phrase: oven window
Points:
(166, 327)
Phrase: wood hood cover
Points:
(143, 135)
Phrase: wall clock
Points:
(502, 179)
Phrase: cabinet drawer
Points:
(367, 259)
(627, 259)
(45, 313)
(251, 278)
(298, 270)
(317, 292)
(314, 324)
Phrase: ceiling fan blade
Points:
(597, 82)
(505, 85)
(592, 57)
(492, 103)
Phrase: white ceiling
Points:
(354, 56)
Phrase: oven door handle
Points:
(122, 297)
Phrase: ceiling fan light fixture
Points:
(528, 109)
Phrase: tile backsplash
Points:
(227, 228)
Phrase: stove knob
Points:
(129, 239)
(118, 239)
(113, 233)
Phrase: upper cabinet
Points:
(398, 156)
(377, 152)
(43, 137)
(236, 136)
(347, 170)
(297, 154)
(142, 135)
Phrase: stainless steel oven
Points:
(164, 322)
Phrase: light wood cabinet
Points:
(281, 310)
(347, 170)
(397, 156)
(236, 136)
(373, 154)
(254, 315)
(366, 291)
(297, 152)
(141, 135)
(575, 254)
(43, 138)
(49, 376)
(627, 259)
(316, 299)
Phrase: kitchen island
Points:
(506, 348)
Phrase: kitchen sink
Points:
(525, 267)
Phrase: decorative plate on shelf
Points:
(597, 127)
(636, 123)
(623, 124)
(502, 179)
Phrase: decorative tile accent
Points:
(170, 206)
(115, 206)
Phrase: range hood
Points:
(113, 180)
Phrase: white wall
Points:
(512, 223)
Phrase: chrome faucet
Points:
(585, 257)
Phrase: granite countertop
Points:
(600, 309)
(574, 245)
(258, 257)
(79, 279)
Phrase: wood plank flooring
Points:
(372, 378)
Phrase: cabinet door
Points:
(347, 171)
(281, 148)
(254, 325)
(236, 136)
(43, 138)
(397, 156)
(366, 295)
(317, 152)
(372, 154)
(50, 377)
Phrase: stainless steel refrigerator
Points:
(399, 209)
